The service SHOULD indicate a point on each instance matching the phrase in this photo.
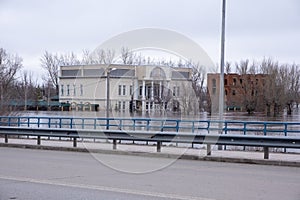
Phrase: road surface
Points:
(40, 174)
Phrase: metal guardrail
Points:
(156, 124)
(159, 137)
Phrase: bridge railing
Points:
(156, 124)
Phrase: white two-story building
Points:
(131, 87)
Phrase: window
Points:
(174, 94)
(68, 90)
(119, 105)
(233, 92)
(241, 81)
(124, 105)
(74, 90)
(214, 90)
(214, 83)
(148, 92)
(234, 81)
(141, 90)
(225, 92)
(71, 73)
(124, 89)
(93, 72)
(130, 90)
(214, 86)
(225, 82)
(62, 90)
(175, 91)
(120, 90)
(81, 90)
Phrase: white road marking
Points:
(104, 188)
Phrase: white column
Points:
(136, 89)
(168, 87)
(152, 90)
(160, 89)
(143, 97)
(152, 95)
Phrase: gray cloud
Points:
(254, 28)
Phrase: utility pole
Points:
(108, 70)
(107, 97)
(221, 93)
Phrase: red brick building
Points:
(241, 92)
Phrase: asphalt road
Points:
(39, 174)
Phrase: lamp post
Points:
(108, 95)
(221, 97)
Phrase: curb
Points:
(159, 155)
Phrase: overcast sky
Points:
(254, 28)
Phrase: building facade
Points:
(241, 92)
(131, 87)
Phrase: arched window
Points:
(158, 73)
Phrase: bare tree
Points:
(86, 57)
(127, 56)
(228, 67)
(290, 78)
(68, 59)
(26, 89)
(109, 56)
(9, 66)
(273, 89)
(51, 63)
(250, 90)
(242, 68)
(198, 78)
(253, 68)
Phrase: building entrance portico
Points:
(155, 94)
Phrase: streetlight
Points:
(221, 97)
(108, 70)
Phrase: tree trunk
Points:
(289, 109)
(268, 110)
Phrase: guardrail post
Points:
(38, 140)
(266, 152)
(177, 125)
(74, 142)
(208, 149)
(6, 139)
(114, 144)
(71, 123)
(158, 147)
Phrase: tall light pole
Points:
(221, 93)
(108, 70)
(107, 96)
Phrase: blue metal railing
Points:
(156, 124)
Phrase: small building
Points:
(241, 92)
(131, 87)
